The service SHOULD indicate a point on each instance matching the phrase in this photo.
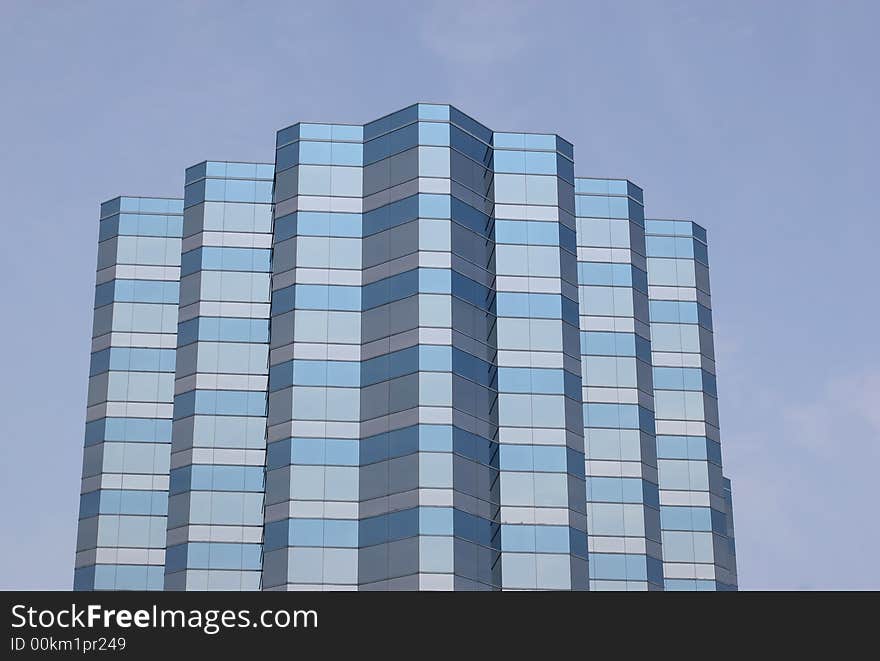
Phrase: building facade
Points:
(414, 354)
(215, 503)
(124, 497)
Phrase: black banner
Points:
(48, 624)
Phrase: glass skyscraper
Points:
(414, 354)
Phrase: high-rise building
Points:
(412, 354)
(696, 513)
(622, 496)
(124, 501)
(215, 503)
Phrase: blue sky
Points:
(758, 120)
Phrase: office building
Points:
(414, 354)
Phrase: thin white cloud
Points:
(844, 416)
